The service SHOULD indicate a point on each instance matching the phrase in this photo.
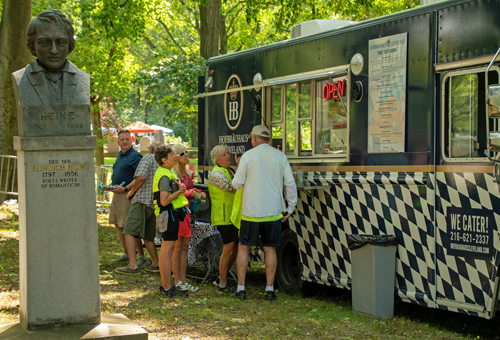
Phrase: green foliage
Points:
(175, 140)
(173, 82)
(292, 12)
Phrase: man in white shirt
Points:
(264, 171)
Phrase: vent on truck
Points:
(316, 26)
(296, 31)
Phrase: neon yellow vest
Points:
(177, 203)
(222, 201)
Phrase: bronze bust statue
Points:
(52, 94)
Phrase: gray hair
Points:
(216, 152)
(50, 17)
(153, 146)
(265, 139)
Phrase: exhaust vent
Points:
(315, 26)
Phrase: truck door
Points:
(467, 198)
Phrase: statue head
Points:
(51, 38)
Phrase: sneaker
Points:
(164, 293)
(181, 286)
(226, 289)
(142, 261)
(242, 295)
(191, 288)
(270, 295)
(152, 269)
(123, 258)
(216, 282)
(127, 270)
(176, 292)
(173, 292)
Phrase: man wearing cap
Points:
(264, 171)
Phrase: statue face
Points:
(51, 46)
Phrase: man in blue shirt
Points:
(123, 179)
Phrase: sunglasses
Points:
(182, 153)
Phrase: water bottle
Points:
(300, 176)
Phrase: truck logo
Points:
(233, 106)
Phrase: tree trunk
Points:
(95, 114)
(194, 132)
(146, 106)
(14, 55)
(223, 35)
(209, 28)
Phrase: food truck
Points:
(394, 122)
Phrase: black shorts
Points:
(172, 232)
(229, 233)
(267, 234)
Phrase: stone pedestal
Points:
(115, 326)
(58, 249)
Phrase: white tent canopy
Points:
(162, 128)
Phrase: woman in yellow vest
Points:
(222, 196)
(170, 203)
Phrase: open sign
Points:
(332, 90)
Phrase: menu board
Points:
(387, 93)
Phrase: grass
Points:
(109, 160)
(321, 313)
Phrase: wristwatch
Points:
(126, 190)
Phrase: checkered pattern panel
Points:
(470, 281)
(372, 203)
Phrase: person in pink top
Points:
(185, 172)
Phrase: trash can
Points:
(373, 271)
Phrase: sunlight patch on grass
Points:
(108, 282)
(8, 234)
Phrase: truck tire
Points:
(289, 270)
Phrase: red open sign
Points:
(330, 89)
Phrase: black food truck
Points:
(394, 122)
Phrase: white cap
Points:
(260, 130)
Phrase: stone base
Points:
(115, 326)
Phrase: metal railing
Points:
(8, 174)
(103, 174)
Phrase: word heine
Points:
(53, 115)
(471, 223)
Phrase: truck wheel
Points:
(289, 270)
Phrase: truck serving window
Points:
(309, 118)
(465, 122)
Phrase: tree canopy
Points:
(146, 54)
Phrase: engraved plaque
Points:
(61, 120)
